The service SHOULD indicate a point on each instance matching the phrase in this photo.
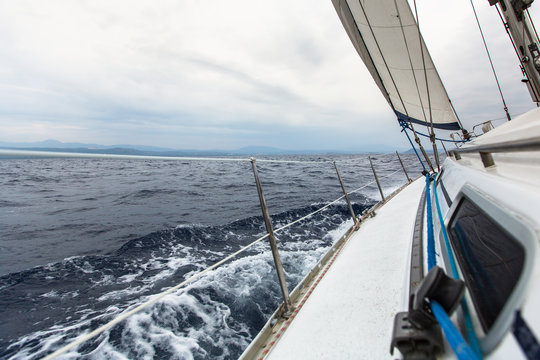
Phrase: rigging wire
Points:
(505, 24)
(153, 299)
(463, 130)
(490, 61)
(410, 61)
(506, 27)
(83, 338)
(532, 22)
(404, 128)
(423, 65)
(382, 57)
(522, 66)
(416, 85)
(416, 138)
(432, 133)
(436, 138)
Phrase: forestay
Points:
(386, 35)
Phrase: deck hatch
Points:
(490, 258)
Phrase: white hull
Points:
(350, 312)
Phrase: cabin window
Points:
(490, 258)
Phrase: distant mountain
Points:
(124, 149)
(55, 144)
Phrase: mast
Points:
(525, 40)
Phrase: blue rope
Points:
(453, 266)
(430, 237)
(471, 335)
(462, 350)
(416, 152)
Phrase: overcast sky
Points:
(213, 74)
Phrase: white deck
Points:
(350, 313)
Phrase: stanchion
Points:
(403, 167)
(345, 193)
(271, 238)
(376, 178)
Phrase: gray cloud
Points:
(216, 74)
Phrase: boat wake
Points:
(215, 317)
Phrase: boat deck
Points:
(350, 313)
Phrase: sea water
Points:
(82, 240)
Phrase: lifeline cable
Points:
(154, 299)
(331, 203)
(79, 340)
(268, 347)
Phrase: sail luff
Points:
(386, 36)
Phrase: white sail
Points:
(386, 35)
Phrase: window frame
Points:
(521, 231)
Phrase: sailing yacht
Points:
(449, 265)
(446, 266)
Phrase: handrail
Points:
(81, 339)
(529, 144)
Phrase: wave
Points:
(215, 317)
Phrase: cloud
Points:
(210, 73)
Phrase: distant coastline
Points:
(123, 149)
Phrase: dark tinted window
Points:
(490, 259)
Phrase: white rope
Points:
(398, 170)
(309, 215)
(127, 314)
(330, 204)
(362, 187)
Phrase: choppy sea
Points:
(84, 240)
